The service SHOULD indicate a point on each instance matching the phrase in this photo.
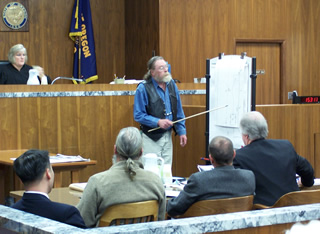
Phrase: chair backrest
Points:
(294, 198)
(128, 213)
(4, 62)
(219, 206)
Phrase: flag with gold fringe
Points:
(81, 32)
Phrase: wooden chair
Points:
(219, 206)
(128, 213)
(293, 199)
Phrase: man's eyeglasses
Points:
(162, 68)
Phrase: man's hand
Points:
(183, 140)
(164, 123)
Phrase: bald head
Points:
(221, 150)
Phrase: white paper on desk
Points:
(205, 167)
(78, 186)
(132, 81)
(60, 158)
(316, 182)
(172, 193)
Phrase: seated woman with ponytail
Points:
(126, 181)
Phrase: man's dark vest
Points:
(156, 107)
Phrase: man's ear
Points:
(115, 149)
(211, 159)
(152, 72)
(234, 154)
(48, 174)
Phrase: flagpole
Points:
(79, 59)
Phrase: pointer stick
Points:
(191, 116)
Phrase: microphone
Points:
(67, 78)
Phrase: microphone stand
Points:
(66, 78)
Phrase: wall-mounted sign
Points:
(14, 16)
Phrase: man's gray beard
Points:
(165, 79)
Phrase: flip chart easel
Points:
(228, 83)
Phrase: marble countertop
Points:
(24, 222)
(86, 93)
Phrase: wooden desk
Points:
(72, 197)
(61, 195)
(10, 182)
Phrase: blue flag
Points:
(81, 32)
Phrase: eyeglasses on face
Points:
(162, 68)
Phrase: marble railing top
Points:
(19, 221)
(86, 93)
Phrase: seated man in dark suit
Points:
(274, 163)
(222, 182)
(35, 171)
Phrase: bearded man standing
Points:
(157, 104)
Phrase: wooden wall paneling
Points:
(141, 35)
(49, 43)
(9, 124)
(313, 35)
(317, 154)
(69, 120)
(68, 130)
(305, 132)
(108, 18)
(121, 113)
(302, 131)
(186, 159)
(259, 19)
(302, 41)
(200, 31)
(193, 100)
(29, 122)
(48, 124)
(94, 130)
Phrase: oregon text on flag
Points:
(81, 32)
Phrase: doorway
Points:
(268, 66)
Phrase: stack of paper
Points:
(172, 193)
(60, 158)
(78, 186)
(205, 167)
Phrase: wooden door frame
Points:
(282, 43)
